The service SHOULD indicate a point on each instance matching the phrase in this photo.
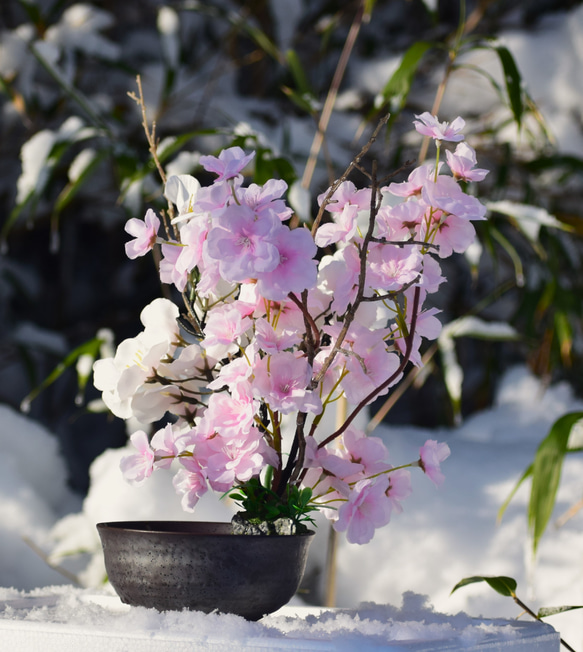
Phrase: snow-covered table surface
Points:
(67, 619)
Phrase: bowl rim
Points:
(182, 527)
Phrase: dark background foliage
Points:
(63, 271)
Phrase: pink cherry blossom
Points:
(223, 330)
(192, 237)
(367, 508)
(364, 356)
(368, 451)
(463, 162)
(168, 271)
(368, 372)
(448, 232)
(138, 466)
(266, 197)
(230, 460)
(190, 483)
(231, 415)
(432, 277)
(399, 488)
(272, 341)
(446, 195)
(234, 374)
(347, 194)
(342, 228)
(145, 233)
(282, 380)
(166, 445)
(432, 454)
(333, 464)
(229, 163)
(391, 268)
(400, 222)
(242, 242)
(429, 125)
(415, 182)
(338, 277)
(296, 270)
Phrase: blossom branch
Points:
(312, 330)
(353, 165)
(351, 312)
(367, 399)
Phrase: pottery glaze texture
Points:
(174, 565)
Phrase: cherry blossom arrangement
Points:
(279, 323)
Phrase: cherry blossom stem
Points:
(311, 326)
(351, 312)
(355, 163)
(365, 401)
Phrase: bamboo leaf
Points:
(468, 326)
(90, 347)
(543, 612)
(304, 101)
(396, 90)
(368, 8)
(501, 584)
(298, 72)
(547, 467)
(513, 82)
(564, 332)
(72, 188)
(505, 504)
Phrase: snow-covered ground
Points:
(443, 535)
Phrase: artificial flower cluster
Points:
(280, 322)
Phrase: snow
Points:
(549, 59)
(443, 535)
(74, 619)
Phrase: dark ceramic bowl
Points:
(175, 565)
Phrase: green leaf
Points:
(90, 347)
(564, 332)
(260, 37)
(505, 504)
(396, 90)
(298, 72)
(72, 188)
(543, 612)
(501, 584)
(513, 254)
(527, 218)
(305, 101)
(368, 8)
(547, 467)
(469, 326)
(513, 82)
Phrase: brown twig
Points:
(332, 95)
(375, 392)
(353, 164)
(151, 138)
(530, 612)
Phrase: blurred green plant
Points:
(506, 586)
(524, 238)
(545, 473)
